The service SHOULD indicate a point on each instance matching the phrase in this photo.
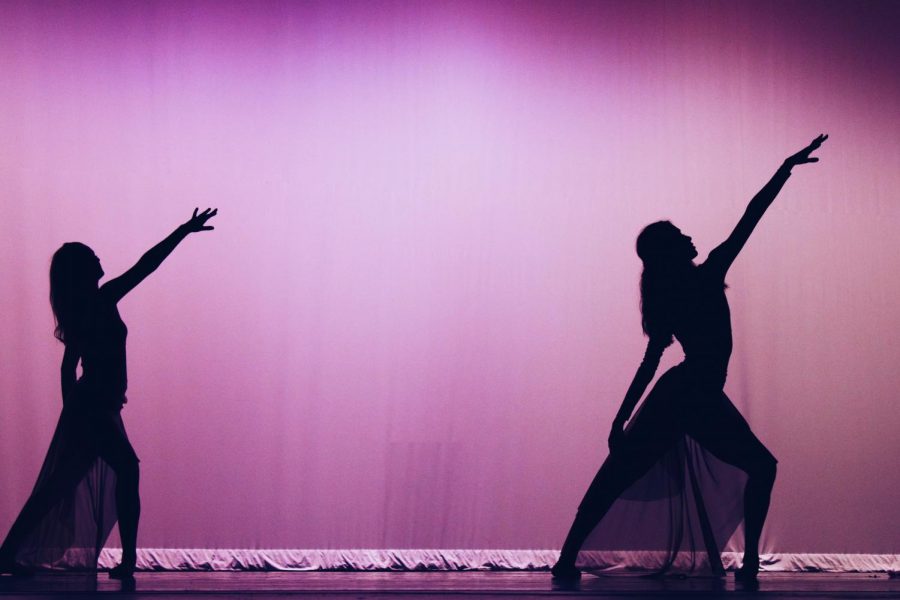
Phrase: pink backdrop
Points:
(418, 312)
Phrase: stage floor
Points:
(419, 585)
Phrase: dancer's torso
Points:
(702, 322)
(102, 349)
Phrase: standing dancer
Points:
(687, 301)
(90, 474)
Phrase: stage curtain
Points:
(418, 312)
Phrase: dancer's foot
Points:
(565, 572)
(748, 573)
(15, 569)
(718, 572)
(124, 570)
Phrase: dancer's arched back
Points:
(686, 301)
(68, 511)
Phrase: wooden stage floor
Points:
(473, 585)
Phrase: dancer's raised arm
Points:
(721, 257)
(643, 377)
(116, 288)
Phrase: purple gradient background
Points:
(418, 312)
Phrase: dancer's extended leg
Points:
(721, 429)
(655, 429)
(616, 474)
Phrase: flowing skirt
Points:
(72, 508)
(684, 501)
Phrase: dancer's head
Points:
(667, 254)
(662, 245)
(74, 273)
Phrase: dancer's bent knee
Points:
(768, 471)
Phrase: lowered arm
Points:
(642, 378)
(67, 372)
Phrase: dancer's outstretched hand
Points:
(198, 222)
(803, 157)
(616, 436)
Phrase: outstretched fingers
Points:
(205, 216)
(198, 219)
(803, 156)
(818, 141)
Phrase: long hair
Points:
(73, 283)
(661, 279)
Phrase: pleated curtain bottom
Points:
(199, 559)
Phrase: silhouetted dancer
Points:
(90, 475)
(687, 301)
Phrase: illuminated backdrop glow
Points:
(418, 313)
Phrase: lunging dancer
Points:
(686, 301)
(90, 474)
